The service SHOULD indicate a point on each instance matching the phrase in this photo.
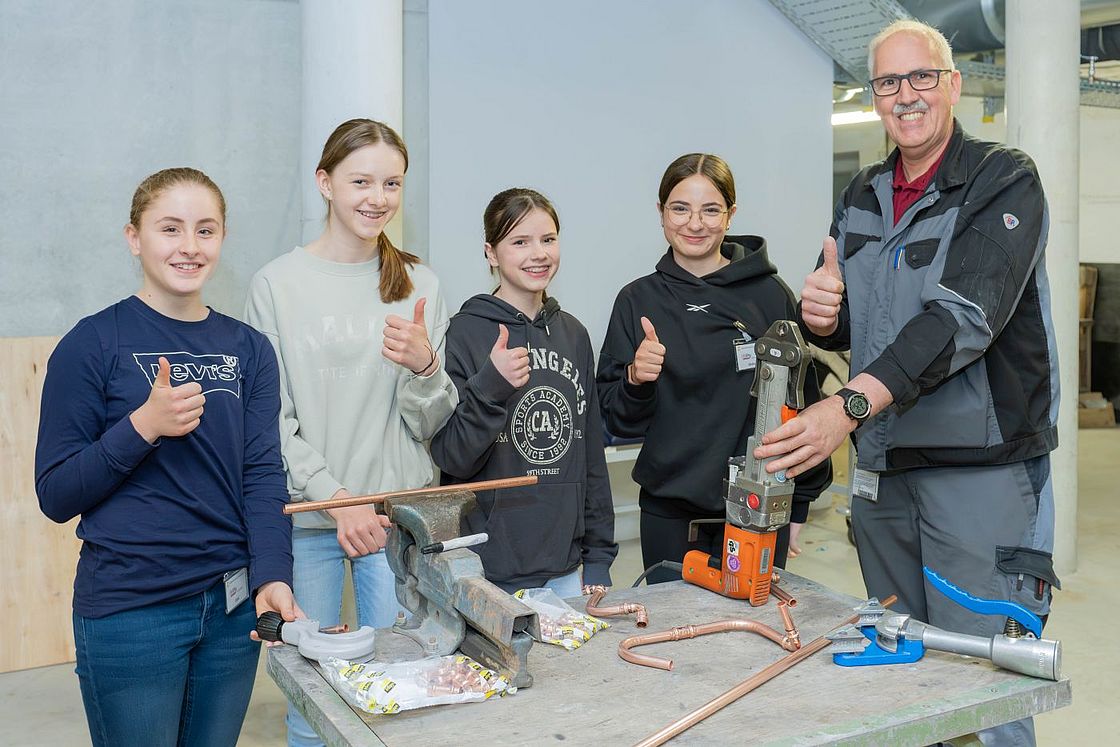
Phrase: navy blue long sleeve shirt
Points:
(161, 522)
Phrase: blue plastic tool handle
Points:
(1017, 612)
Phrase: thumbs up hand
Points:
(512, 363)
(170, 410)
(406, 342)
(648, 358)
(823, 291)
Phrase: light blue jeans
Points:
(318, 571)
(174, 673)
(567, 586)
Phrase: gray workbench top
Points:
(591, 696)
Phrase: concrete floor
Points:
(43, 706)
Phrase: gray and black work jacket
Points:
(950, 309)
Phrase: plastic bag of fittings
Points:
(390, 688)
(560, 624)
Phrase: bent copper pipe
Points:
(789, 642)
(363, 500)
(626, 608)
(764, 675)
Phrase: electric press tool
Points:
(758, 503)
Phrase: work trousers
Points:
(987, 529)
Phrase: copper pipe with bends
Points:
(625, 608)
(363, 500)
(764, 675)
(790, 641)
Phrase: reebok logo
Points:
(215, 372)
(697, 307)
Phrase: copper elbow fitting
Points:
(626, 608)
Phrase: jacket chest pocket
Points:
(920, 254)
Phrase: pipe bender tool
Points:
(884, 638)
(758, 503)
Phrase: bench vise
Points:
(452, 605)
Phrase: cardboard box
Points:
(1094, 411)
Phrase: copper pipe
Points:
(782, 594)
(693, 631)
(363, 500)
(625, 608)
(689, 720)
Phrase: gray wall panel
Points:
(96, 96)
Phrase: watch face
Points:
(858, 406)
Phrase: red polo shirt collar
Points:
(907, 193)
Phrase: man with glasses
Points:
(934, 276)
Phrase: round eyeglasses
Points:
(920, 80)
(710, 215)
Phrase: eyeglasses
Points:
(920, 80)
(710, 215)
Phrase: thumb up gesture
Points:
(406, 342)
(170, 410)
(823, 291)
(648, 358)
(512, 364)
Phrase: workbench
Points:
(592, 697)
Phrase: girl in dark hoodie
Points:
(673, 368)
(528, 406)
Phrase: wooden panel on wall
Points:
(38, 558)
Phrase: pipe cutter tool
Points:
(889, 638)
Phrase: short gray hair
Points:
(938, 44)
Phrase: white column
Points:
(1043, 119)
(353, 66)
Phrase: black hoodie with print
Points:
(550, 428)
(700, 411)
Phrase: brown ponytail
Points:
(348, 137)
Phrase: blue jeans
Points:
(318, 570)
(567, 586)
(172, 673)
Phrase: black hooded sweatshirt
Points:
(550, 428)
(700, 410)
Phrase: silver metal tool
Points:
(1035, 657)
(453, 607)
(314, 642)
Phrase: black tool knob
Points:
(269, 625)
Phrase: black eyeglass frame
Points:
(909, 78)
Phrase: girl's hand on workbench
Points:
(276, 596)
(361, 530)
(794, 548)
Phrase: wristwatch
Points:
(856, 405)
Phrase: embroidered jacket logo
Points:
(1010, 221)
(215, 372)
(697, 307)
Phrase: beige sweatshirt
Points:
(349, 417)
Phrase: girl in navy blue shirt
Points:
(159, 428)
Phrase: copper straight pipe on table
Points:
(744, 687)
(363, 500)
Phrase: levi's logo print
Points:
(214, 371)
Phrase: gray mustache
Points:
(917, 106)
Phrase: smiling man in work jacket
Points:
(934, 277)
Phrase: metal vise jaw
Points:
(453, 605)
